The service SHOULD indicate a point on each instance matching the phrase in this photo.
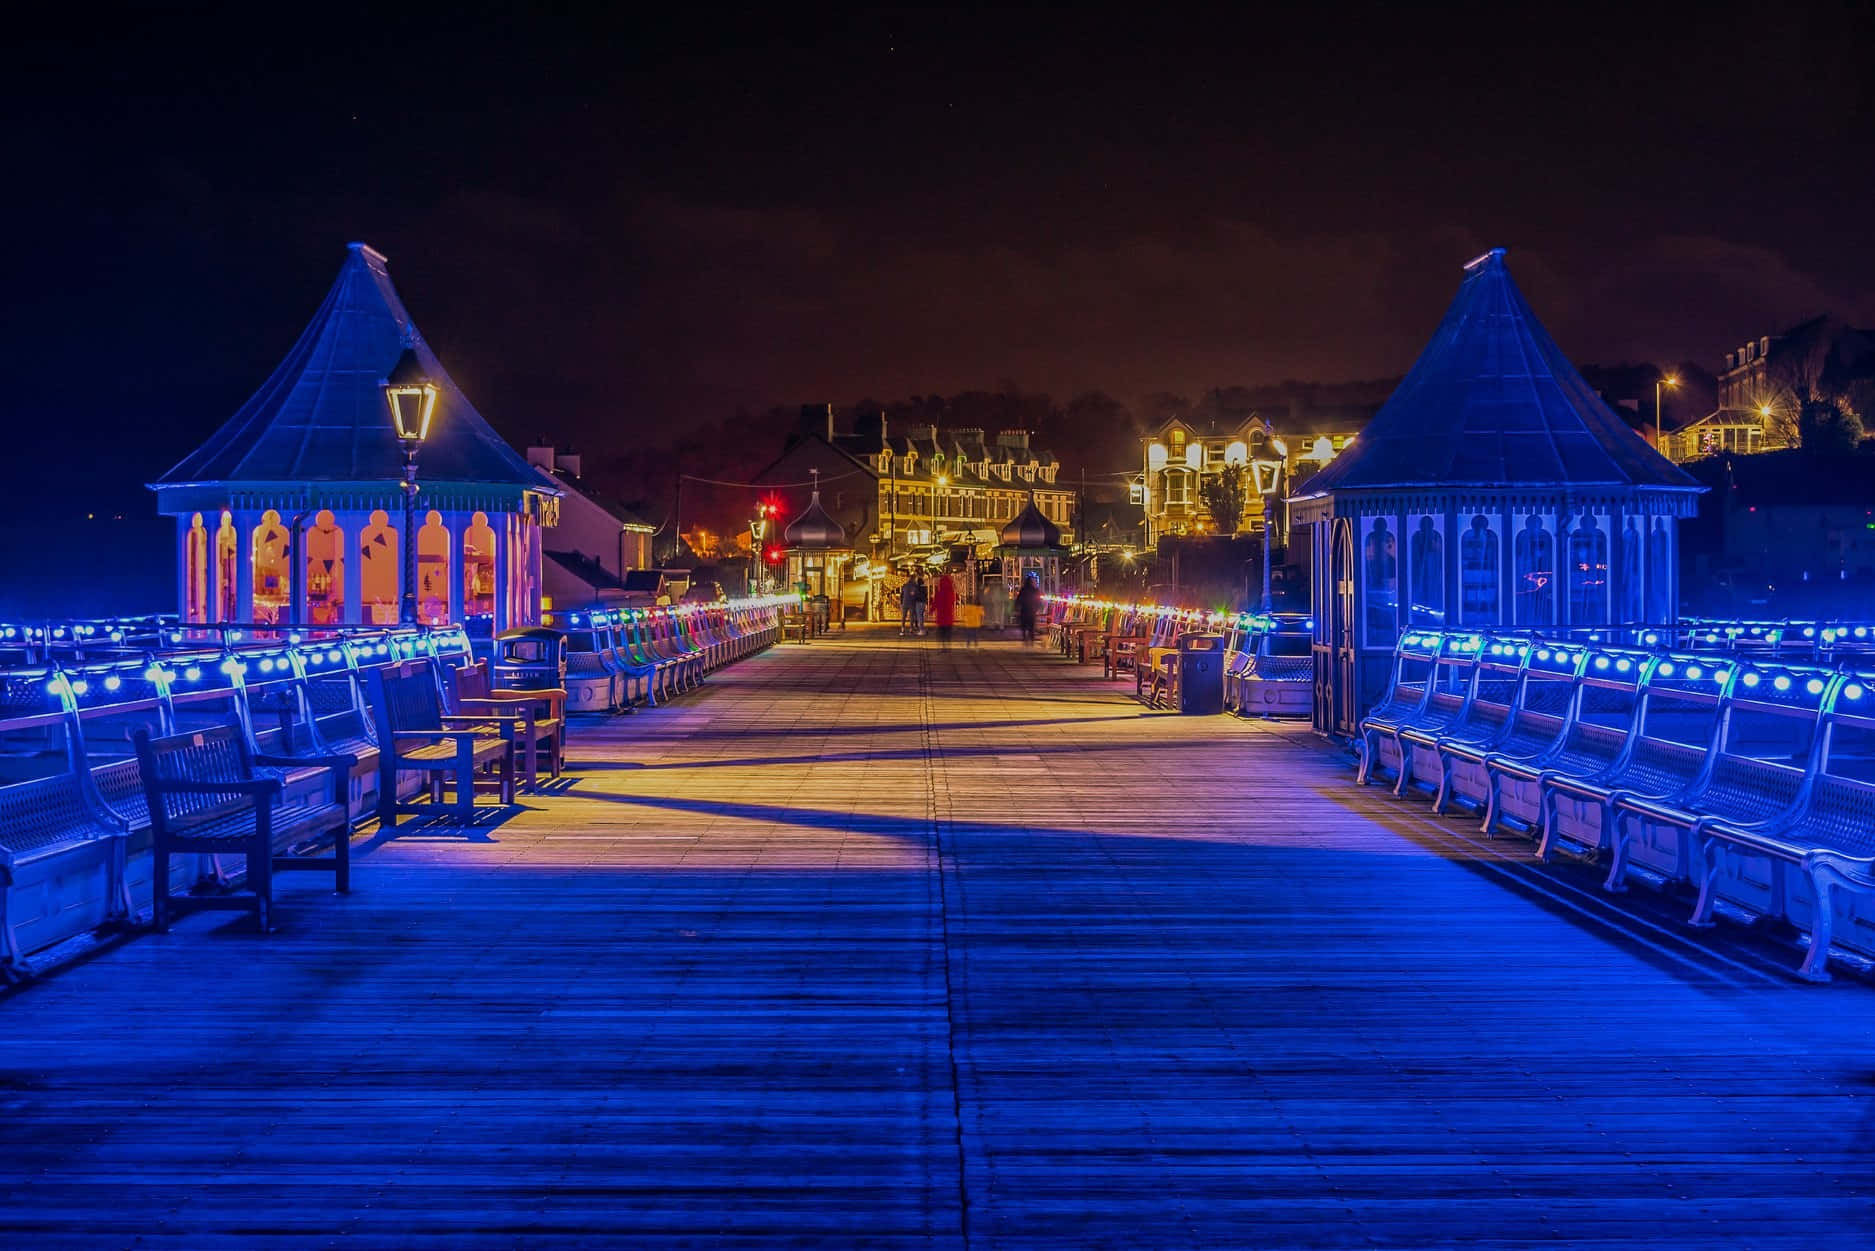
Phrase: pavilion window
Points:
(272, 576)
(195, 572)
(1478, 573)
(1659, 570)
(1177, 487)
(1425, 554)
(1630, 588)
(1533, 577)
(1588, 572)
(325, 571)
(478, 567)
(433, 571)
(378, 550)
(1380, 576)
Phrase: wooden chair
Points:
(539, 736)
(415, 735)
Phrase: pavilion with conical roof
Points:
(817, 553)
(292, 511)
(1031, 544)
(1494, 488)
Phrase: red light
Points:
(775, 555)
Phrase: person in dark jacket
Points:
(1029, 607)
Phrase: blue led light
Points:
(266, 666)
(1750, 679)
(57, 686)
(191, 674)
(1780, 682)
(1809, 632)
(113, 682)
(1542, 653)
(334, 655)
(1666, 668)
(1624, 665)
(1814, 686)
(80, 687)
(1692, 671)
(1852, 691)
(1601, 662)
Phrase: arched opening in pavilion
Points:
(273, 589)
(377, 555)
(195, 572)
(227, 570)
(433, 570)
(478, 568)
(325, 570)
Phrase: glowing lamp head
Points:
(1279, 447)
(411, 397)
(1670, 381)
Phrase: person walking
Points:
(1029, 607)
(944, 607)
(995, 606)
(970, 619)
(907, 599)
(920, 599)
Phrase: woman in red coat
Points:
(944, 608)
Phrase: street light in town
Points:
(1669, 381)
(1269, 474)
(411, 397)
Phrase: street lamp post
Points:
(411, 397)
(1669, 381)
(1270, 496)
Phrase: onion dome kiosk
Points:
(358, 486)
(1031, 544)
(1493, 489)
(817, 552)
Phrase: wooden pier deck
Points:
(872, 945)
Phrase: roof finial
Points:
(815, 474)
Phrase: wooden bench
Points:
(415, 735)
(207, 793)
(538, 717)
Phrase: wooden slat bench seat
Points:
(207, 793)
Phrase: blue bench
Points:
(1743, 777)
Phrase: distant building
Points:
(1181, 455)
(914, 493)
(1764, 382)
(595, 541)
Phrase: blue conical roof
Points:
(1493, 402)
(322, 418)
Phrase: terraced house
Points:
(910, 493)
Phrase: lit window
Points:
(1238, 453)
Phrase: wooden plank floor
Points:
(874, 945)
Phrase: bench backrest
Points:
(404, 698)
(45, 813)
(214, 754)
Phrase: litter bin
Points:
(529, 658)
(1201, 674)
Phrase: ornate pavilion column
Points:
(244, 520)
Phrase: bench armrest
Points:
(339, 766)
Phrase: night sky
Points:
(612, 230)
